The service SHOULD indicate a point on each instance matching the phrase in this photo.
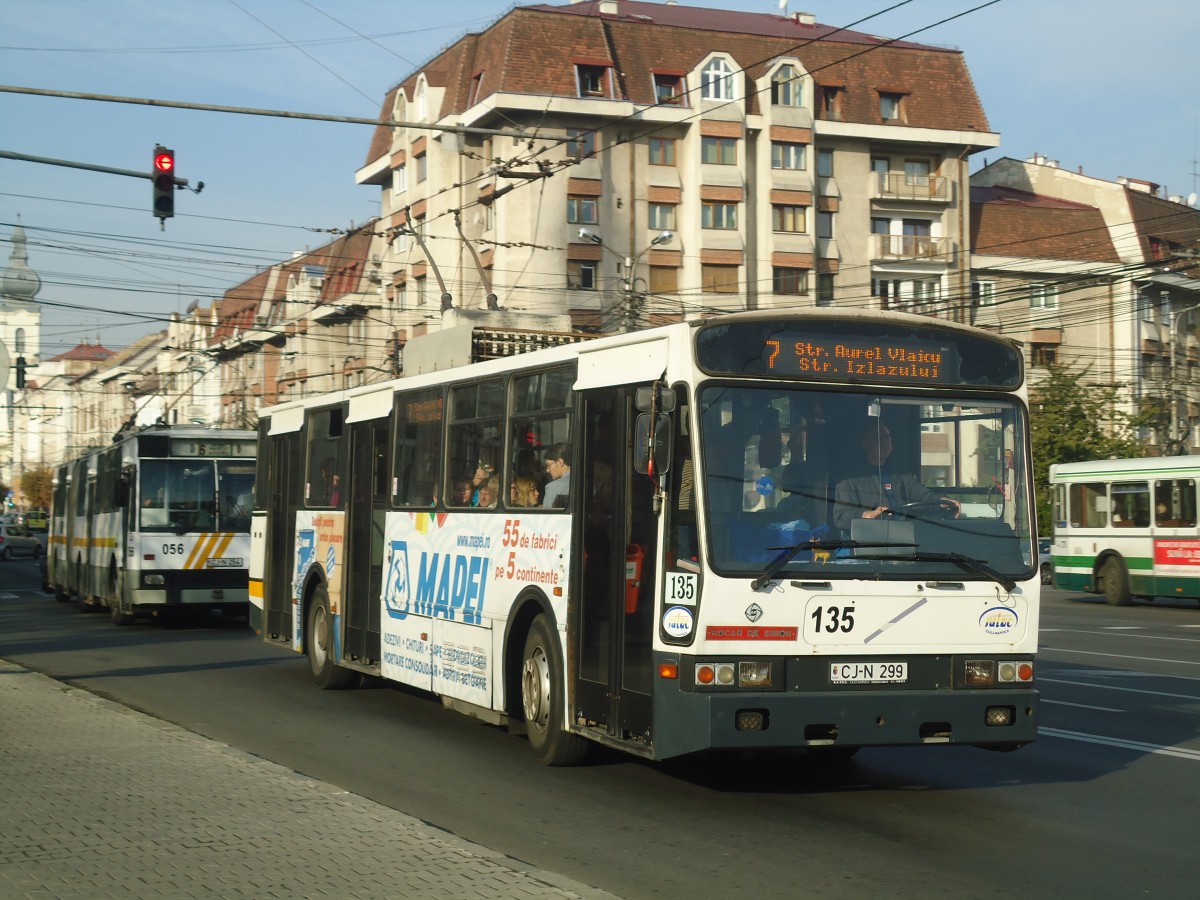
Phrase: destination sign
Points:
(857, 350)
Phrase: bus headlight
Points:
(754, 674)
(153, 578)
(980, 671)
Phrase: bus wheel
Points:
(327, 675)
(116, 592)
(1114, 583)
(542, 697)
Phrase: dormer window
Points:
(829, 101)
(669, 89)
(891, 106)
(592, 81)
(785, 87)
(716, 80)
(476, 87)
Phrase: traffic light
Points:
(20, 373)
(163, 177)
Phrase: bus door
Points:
(285, 486)
(618, 538)
(365, 510)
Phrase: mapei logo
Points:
(395, 588)
(998, 620)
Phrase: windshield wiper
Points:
(789, 553)
(966, 563)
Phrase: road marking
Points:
(1113, 687)
(1144, 637)
(1120, 743)
(8, 596)
(1181, 662)
(1082, 706)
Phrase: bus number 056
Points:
(833, 619)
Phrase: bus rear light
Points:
(705, 673)
(668, 670)
(154, 579)
(754, 674)
(148, 557)
(725, 673)
(1016, 670)
(980, 671)
(716, 673)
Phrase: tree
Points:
(1073, 422)
(37, 486)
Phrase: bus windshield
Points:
(896, 485)
(178, 495)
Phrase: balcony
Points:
(913, 246)
(898, 186)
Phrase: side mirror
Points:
(652, 444)
(644, 399)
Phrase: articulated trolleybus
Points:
(1127, 527)
(795, 529)
(154, 523)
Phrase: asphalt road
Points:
(1102, 805)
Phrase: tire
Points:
(1114, 582)
(543, 695)
(119, 616)
(6, 553)
(1047, 573)
(37, 551)
(327, 675)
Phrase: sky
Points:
(1103, 85)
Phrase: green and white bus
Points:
(1127, 528)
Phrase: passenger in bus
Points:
(461, 493)
(558, 489)
(877, 489)
(524, 492)
(483, 471)
(489, 493)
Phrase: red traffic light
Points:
(164, 161)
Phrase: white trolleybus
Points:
(1127, 527)
(672, 540)
(156, 522)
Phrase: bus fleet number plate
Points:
(868, 672)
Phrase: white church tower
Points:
(21, 332)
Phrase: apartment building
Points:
(1099, 275)
(628, 163)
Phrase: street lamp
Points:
(1175, 440)
(628, 265)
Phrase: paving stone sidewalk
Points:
(97, 800)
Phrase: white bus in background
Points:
(1127, 528)
(694, 589)
(156, 522)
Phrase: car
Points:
(1045, 560)
(17, 540)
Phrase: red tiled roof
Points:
(1010, 222)
(532, 50)
(86, 352)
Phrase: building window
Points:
(581, 143)
(661, 217)
(400, 179)
(422, 162)
(719, 151)
(717, 214)
(476, 86)
(825, 163)
(829, 101)
(719, 279)
(785, 87)
(787, 156)
(1043, 296)
(662, 151)
(983, 293)
(789, 281)
(880, 225)
(581, 210)
(592, 81)
(916, 172)
(789, 218)
(716, 80)
(664, 280)
(890, 106)
(825, 290)
(422, 289)
(879, 169)
(669, 90)
(581, 275)
(825, 225)
(1043, 354)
